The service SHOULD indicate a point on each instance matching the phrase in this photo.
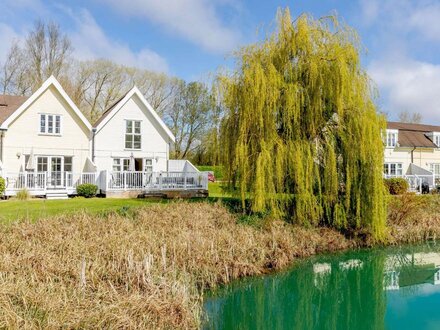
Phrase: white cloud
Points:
(90, 42)
(426, 20)
(195, 20)
(409, 85)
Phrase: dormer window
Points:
(391, 138)
(50, 124)
(436, 139)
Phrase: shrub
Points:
(2, 185)
(87, 190)
(397, 186)
(23, 194)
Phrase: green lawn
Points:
(39, 208)
(216, 190)
(33, 209)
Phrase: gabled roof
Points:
(414, 135)
(413, 127)
(8, 105)
(110, 112)
(48, 83)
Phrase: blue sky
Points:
(193, 38)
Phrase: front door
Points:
(56, 172)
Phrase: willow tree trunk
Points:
(302, 136)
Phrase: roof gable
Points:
(109, 113)
(48, 83)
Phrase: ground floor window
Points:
(140, 164)
(54, 163)
(435, 169)
(393, 169)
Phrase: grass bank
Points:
(149, 267)
(13, 210)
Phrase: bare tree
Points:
(14, 79)
(410, 117)
(189, 116)
(47, 51)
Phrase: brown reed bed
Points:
(146, 269)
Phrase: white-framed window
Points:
(436, 139)
(393, 169)
(42, 164)
(391, 138)
(116, 164)
(435, 168)
(148, 165)
(68, 164)
(126, 164)
(121, 164)
(50, 124)
(133, 134)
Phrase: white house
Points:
(45, 133)
(412, 151)
(131, 129)
(48, 147)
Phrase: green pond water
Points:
(395, 288)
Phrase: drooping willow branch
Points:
(302, 135)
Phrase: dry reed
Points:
(148, 269)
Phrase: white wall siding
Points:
(23, 134)
(110, 139)
(422, 157)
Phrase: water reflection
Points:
(356, 290)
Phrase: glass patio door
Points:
(56, 172)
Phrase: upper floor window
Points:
(391, 138)
(133, 134)
(50, 124)
(436, 139)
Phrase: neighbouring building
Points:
(412, 151)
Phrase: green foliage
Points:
(396, 186)
(217, 170)
(87, 190)
(302, 136)
(23, 194)
(2, 186)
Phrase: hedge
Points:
(397, 186)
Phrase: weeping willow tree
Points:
(302, 137)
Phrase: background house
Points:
(412, 151)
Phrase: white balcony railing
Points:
(41, 181)
(149, 181)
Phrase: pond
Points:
(394, 288)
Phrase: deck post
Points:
(184, 180)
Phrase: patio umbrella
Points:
(30, 166)
(132, 163)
